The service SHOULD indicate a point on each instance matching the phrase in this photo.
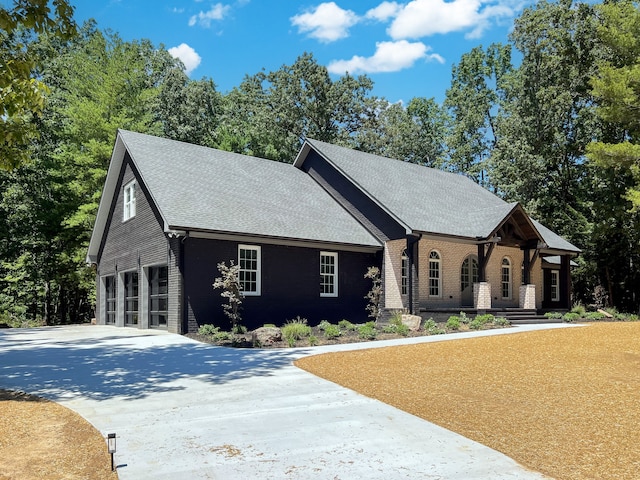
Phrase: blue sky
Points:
(407, 48)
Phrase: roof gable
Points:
(204, 189)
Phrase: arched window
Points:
(404, 273)
(435, 289)
(505, 278)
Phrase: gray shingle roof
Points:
(202, 188)
(426, 199)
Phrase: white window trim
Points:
(502, 282)
(404, 273)
(335, 273)
(129, 207)
(258, 270)
(439, 262)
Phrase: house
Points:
(304, 235)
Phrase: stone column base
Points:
(482, 296)
(528, 297)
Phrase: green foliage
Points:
(579, 309)
(594, 316)
(453, 323)
(213, 332)
(553, 315)
(368, 331)
(501, 322)
(324, 324)
(431, 327)
(313, 340)
(464, 319)
(296, 329)
(484, 318)
(571, 317)
(373, 296)
(347, 325)
(229, 283)
(269, 325)
(332, 331)
(396, 326)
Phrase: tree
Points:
(22, 93)
(269, 114)
(473, 102)
(229, 283)
(616, 86)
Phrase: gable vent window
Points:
(129, 200)
(328, 274)
(249, 273)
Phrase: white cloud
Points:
(384, 11)
(389, 57)
(217, 12)
(420, 18)
(327, 23)
(187, 55)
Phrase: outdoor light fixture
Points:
(111, 446)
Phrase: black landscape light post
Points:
(111, 445)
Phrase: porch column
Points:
(565, 281)
(482, 289)
(526, 280)
(413, 254)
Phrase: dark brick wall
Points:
(290, 284)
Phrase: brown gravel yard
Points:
(563, 402)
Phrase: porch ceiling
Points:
(517, 230)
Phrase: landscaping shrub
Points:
(213, 332)
(501, 322)
(368, 331)
(323, 325)
(580, 310)
(453, 323)
(484, 318)
(347, 325)
(464, 319)
(296, 329)
(313, 340)
(594, 316)
(431, 327)
(553, 315)
(571, 317)
(332, 331)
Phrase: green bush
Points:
(213, 332)
(431, 327)
(332, 331)
(501, 322)
(313, 340)
(594, 316)
(476, 324)
(484, 318)
(323, 325)
(464, 319)
(571, 317)
(296, 329)
(347, 325)
(453, 323)
(397, 328)
(368, 331)
(632, 317)
(553, 315)
(579, 309)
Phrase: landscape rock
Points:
(267, 335)
(412, 321)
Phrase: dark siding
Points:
(133, 244)
(367, 212)
(290, 285)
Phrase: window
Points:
(129, 200)
(328, 274)
(131, 298)
(249, 273)
(506, 278)
(555, 286)
(468, 273)
(158, 296)
(434, 274)
(110, 300)
(404, 273)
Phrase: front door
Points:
(468, 276)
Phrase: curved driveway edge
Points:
(182, 409)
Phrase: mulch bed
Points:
(40, 440)
(562, 402)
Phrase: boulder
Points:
(412, 321)
(267, 335)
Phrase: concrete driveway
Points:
(186, 410)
